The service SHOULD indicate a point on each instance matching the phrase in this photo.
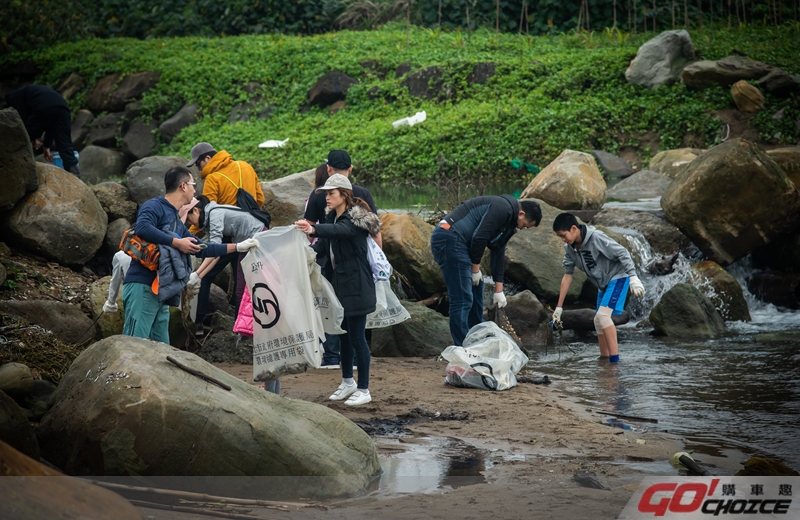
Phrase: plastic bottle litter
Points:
(272, 143)
(411, 121)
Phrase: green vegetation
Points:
(548, 93)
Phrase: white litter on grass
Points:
(411, 121)
(272, 143)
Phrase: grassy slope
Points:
(548, 94)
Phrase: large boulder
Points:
(571, 181)
(36, 494)
(139, 141)
(99, 164)
(660, 60)
(71, 85)
(105, 130)
(115, 200)
(663, 237)
(61, 221)
(779, 83)
(330, 88)
(65, 320)
(146, 176)
(747, 97)
(426, 334)
(15, 428)
(17, 168)
(613, 167)
(81, 124)
(102, 424)
(534, 256)
(107, 324)
(670, 163)
(722, 290)
(110, 94)
(16, 380)
(530, 320)
(731, 200)
(789, 160)
(184, 117)
(407, 244)
(684, 312)
(645, 184)
(114, 235)
(285, 198)
(782, 254)
(425, 83)
(727, 71)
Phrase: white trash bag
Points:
(287, 328)
(388, 309)
(489, 359)
(325, 300)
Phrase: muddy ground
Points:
(531, 443)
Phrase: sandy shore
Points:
(533, 442)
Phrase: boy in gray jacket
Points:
(608, 266)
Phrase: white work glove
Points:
(193, 285)
(636, 287)
(557, 313)
(246, 245)
(110, 307)
(476, 278)
(499, 299)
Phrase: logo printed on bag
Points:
(263, 298)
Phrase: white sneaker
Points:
(358, 398)
(343, 391)
(330, 367)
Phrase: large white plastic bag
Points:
(388, 309)
(325, 299)
(287, 329)
(489, 359)
(381, 268)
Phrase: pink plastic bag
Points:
(244, 320)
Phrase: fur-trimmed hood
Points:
(362, 218)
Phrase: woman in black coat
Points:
(343, 239)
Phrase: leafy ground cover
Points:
(548, 93)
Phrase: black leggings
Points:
(355, 339)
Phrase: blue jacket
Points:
(155, 216)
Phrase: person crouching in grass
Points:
(608, 266)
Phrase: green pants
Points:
(145, 316)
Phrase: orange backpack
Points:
(144, 252)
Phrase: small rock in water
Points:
(662, 264)
(587, 479)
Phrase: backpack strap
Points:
(229, 180)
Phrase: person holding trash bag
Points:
(458, 243)
(149, 290)
(221, 220)
(608, 266)
(343, 240)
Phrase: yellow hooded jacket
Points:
(222, 177)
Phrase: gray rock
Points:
(16, 380)
(146, 176)
(402, 69)
(482, 73)
(15, 430)
(105, 130)
(61, 221)
(65, 320)
(71, 85)
(285, 198)
(110, 94)
(612, 166)
(114, 235)
(100, 164)
(407, 244)
(426, 83)
(330, 88)
(663, 237)
(684, 312)
(778, 83)
(645, 184)
(186, 116)
(3, 275)
(245, 111)
(139, 140)
(18, 168)
(660, 60)
(529, 319)
(789, 161)
(99, 95)
(218, 302)
(727, 71)
(115, 200)
(723, 290)
(534, 256)
(571, 181)
(670, 163)
(242, 432)
(426, 334)
(107, 324)
(80, 128)
(732, 200)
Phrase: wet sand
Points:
(533, 439)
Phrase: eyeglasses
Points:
(191, 183)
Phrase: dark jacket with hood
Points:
(349, 271)
(483, 222)
(158, 222)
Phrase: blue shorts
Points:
(614, 295)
